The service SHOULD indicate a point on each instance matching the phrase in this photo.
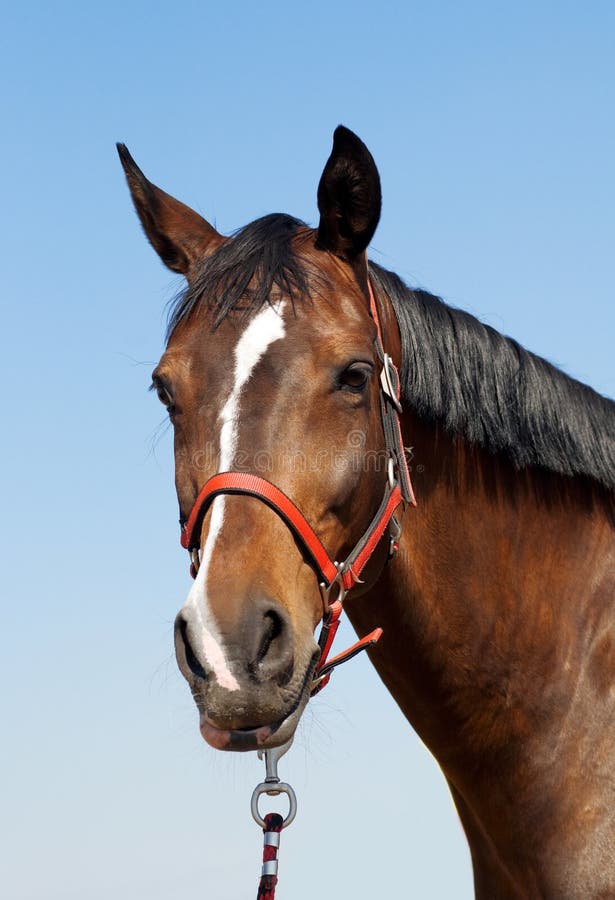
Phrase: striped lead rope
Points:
(269, 875)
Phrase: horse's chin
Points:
(262, 737)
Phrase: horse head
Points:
(271, 369)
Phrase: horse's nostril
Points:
(274, 651)
(181, 628)
(273, 629)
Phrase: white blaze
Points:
(266, 327)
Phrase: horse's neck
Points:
(496, 616)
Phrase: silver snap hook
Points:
(272, 786)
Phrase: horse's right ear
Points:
(179, 235)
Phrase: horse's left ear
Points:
(349, 197)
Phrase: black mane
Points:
(455, 371)
(482, 385)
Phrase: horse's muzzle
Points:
(252, 693)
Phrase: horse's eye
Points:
(355, 377)
(164, 396)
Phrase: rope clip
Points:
(272, 786)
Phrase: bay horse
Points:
(497, 610)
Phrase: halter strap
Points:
(327, 569)
(398, 490)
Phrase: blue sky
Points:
(493, 131)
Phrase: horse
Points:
(498, 620)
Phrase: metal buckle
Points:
(387, 384)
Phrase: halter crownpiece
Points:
(332, 575)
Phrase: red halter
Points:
(345, 575)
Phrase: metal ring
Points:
(391, 472)
(273, 790)
(325, 593)
(195, 558)
(338, 581)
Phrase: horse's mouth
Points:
(262, 737)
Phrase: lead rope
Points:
(269, 878)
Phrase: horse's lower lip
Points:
(248, 739)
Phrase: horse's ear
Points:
(349, 197)
(179, 235)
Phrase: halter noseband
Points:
(331, 574)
